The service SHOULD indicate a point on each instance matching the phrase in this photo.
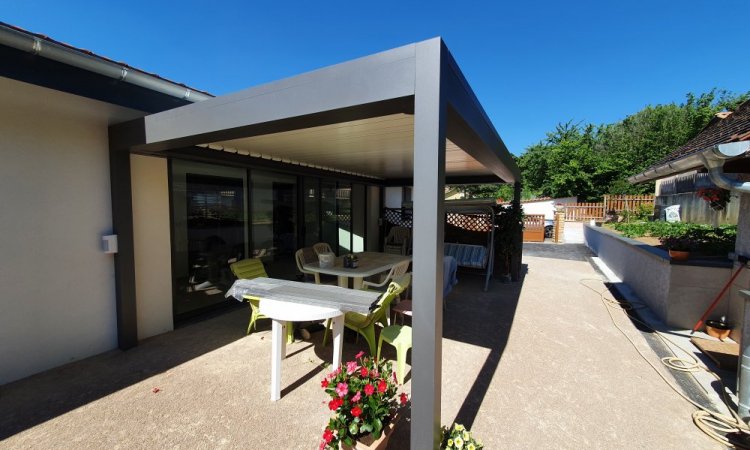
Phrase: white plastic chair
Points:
(299, 258)
(322, 247)
(395, 272)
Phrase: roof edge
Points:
(45, 47)
(693, 161)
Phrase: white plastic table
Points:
(370, 263)
(291, 301)
(280, 313)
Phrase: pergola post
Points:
(120, 137)
(428, 197)
(515, 258)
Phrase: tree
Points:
(589, 161)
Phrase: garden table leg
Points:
(337, 327)
(278, 352)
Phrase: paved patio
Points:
(536, 364)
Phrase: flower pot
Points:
(369, 443)
(718, 329)
(679, 255)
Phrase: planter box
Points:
(676, 291)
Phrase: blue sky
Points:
(532, 64)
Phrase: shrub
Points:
(705, 238)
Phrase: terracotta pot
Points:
(679, 255)
(717, 329)
(369, 443)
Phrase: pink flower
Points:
(342, 389)
(357, 397)
(359, 355)
(351, 366)
(369, 389)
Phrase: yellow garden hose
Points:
(716, 425)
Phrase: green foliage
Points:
(705, 238)
(638, 215)
(508, 232)
(504, 191)
(458, 437)
(589, 161)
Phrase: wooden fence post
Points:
(559, 226)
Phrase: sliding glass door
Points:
(273, 200)
(209, 215)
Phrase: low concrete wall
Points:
(677, 292)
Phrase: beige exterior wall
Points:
(57, 303)
(153, 259)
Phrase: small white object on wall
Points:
(109, 243)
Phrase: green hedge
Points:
(717, 240)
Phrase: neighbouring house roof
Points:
(724, 127)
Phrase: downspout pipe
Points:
(714, 158)
(17, 39)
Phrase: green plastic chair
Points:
(247, 269)
(403, 280)
(398, 336)
(365, 324)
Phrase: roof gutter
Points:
(712, 158)
(66, 55)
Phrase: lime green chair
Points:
(365, 324)
(398, 336)
(247, 269)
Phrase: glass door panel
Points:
(210, 228)
(274, 222)
(311, 193)
(344, 215)
(329, 222)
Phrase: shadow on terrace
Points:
(210, 367)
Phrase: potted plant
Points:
(678, 246)
(364, 403)
(458, 437)
(719, 329)
(717, 198)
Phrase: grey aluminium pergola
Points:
(404, 116)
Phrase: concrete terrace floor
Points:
(535, 364)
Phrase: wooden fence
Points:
(581, 212)
(533, 228)
(621, 203)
